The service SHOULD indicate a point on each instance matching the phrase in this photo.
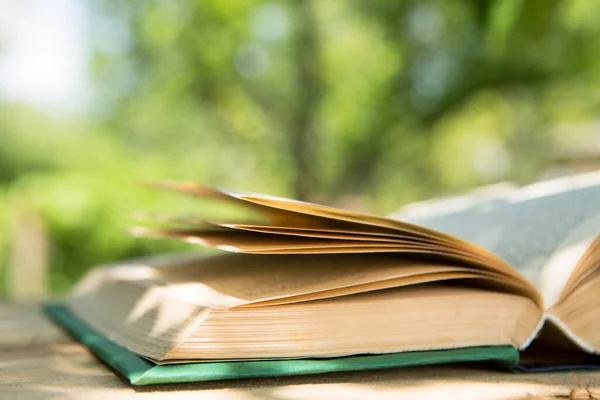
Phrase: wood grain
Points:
(38, 361)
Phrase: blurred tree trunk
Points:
(28, 251)
(303, 138)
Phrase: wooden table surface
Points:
(38, 361)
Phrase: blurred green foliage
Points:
(362, 104)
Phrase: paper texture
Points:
(525, 226)
(142, 372)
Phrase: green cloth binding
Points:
(140, 371)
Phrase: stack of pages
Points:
(505, 276)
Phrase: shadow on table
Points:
(45, 364)
(66, 371)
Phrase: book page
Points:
(558, 269)
(246, 278)
(313, 227)
(524, 226)
(301, 215)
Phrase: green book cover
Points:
(140, 371)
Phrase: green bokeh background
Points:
(365, 105)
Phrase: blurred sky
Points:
(44, 54)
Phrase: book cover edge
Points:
(140, 371)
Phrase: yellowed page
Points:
(244, 241)
(253, 278)
(255, 242)
(587, 266)
(391, 321)
(367, 287)
(262, 243)
(567, 266)
(195, 227)
(259, 243)
(289, 226)
(353, 233)
(295, 214)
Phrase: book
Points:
(297, 288)
(140, 371)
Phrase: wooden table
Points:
(38, 361)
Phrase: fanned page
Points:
(543, 230)
(287, 226)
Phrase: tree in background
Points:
(363, 104)
(334, 98)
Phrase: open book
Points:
(516, 269)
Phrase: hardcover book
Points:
(301, 288)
